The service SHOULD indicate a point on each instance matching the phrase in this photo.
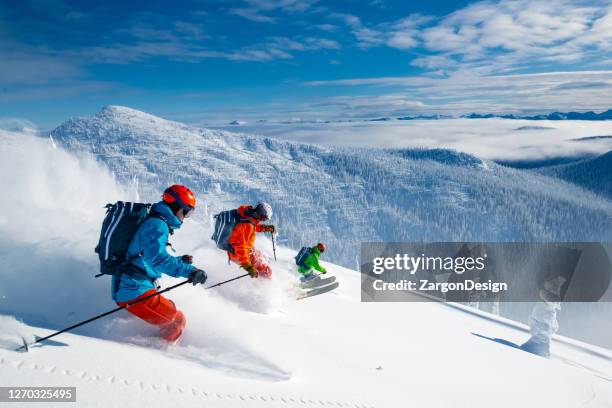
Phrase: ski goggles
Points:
(187, 209)
(188, 212)
(261, 216)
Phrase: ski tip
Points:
(25, 346)
(318, 291)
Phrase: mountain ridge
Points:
(594, 174)
(341, 196)
(590, 115)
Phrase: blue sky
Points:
(213, 61)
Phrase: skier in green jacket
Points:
(311, 263)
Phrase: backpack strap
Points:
(243, 220)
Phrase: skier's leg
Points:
(173, 331)
(542, 324)
(543, 320)
(232, 257)
(260, 263)
(160, 312)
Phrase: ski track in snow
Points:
(168, 388)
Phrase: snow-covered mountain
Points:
(342, 196)
(594, 174)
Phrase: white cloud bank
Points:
(495, 139)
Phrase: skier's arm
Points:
(313, 261)
(157, 256)
(260, 227)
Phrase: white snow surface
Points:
(330, 350)
(249, 343)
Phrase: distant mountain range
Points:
(590, 115)
(418, 117)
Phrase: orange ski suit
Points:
(242, 239)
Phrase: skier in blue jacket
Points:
(150, 260)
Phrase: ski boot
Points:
(537, 346)
(309, 277)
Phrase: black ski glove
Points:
(188, 259)
(198, 277)
(251, 270)
(269, 228)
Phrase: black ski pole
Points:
(74, 326)
(273, 246)
(227, 281)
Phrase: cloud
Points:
(179, 31)
(493, 139)
(349, 19)
(289, 6)
(402, 40)
(463, 92)
(496, 56)
(260, 55)
(365, 105)
(385, 81)
(25, 65)
(17, 125)
(251, 14)
(584, 85)
(187, 42)
(400, 34)
(461, 61)
(63, 89)
(496, 36)
(20, 67)
(255, 9)
(192, 30)
(366, 37)
(281, 48)
(330, 28)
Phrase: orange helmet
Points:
(321, 247)
(181, 195)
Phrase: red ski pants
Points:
(160, 312)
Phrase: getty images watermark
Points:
(485, 272)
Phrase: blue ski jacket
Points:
(148, 247)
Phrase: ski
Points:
(318, 291)
(314, 283)
(26, 345)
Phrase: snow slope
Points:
(330, 350)
(594, 174)
(248, 343)
(339, 195)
